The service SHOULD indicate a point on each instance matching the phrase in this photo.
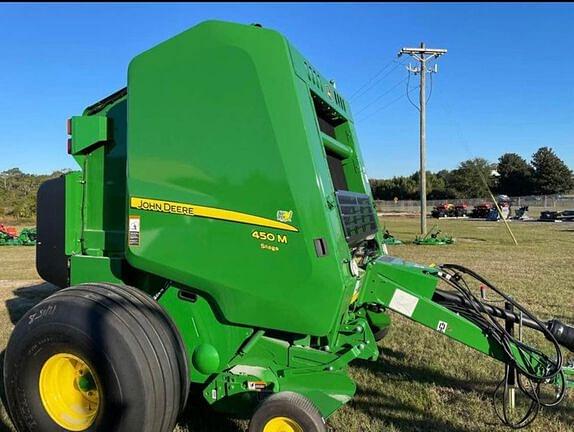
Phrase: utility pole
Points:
(423, 55)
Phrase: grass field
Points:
(423, 382)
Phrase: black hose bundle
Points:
(477, 311)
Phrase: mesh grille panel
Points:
(357, 214)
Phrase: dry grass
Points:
(423, 382)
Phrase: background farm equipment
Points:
(550, 215)
(521, 213)
(557, 216)
(390, 239)
(504, 204)
(481, 211)
(434, 238)
(9, 236)
(489, 210)
(449, 210)
(460, 210)
(443, 210)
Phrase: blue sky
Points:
(506, 84)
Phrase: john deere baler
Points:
(221, 231)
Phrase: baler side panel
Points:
(231, 136)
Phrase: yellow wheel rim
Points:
(69, 392)
(282, 424)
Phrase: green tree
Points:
(468, 180)
(551, 174)
(18, 192)
(436, 185)
(400, 187)
(515, 175)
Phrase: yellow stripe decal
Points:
(206, 212)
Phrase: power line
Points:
(372, 78)
(386, 106)
(408, 91)
(408, 85)
(381, 95)
(373, 81)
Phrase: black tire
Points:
(380, 333)
(292, 406)
(163, 323)
(123, 336)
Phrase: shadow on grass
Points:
(198, 416)
(411, 418)
(402, 416)
(26, 298)
(391, 366)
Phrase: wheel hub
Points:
(69, 392)
(282, 424)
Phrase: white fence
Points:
(535, 203)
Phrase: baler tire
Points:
(163, 321)
(290, 406)
(124, 344)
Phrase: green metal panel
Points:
(87, 131)
(407, 288)
(200, 327)
(84, 268)
(95, 196)
(236, 133)
(73, 210)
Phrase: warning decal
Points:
(403, 302)
(134, 231)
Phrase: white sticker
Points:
(441, 327)
(403, 302)
(134, 230)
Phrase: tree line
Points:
(545, 174)
(18, 192)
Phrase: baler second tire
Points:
(95, 358)
(287, 411)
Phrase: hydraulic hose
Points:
(542, 369)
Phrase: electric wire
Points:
(373, 81)
(385, 106)
(408, 96)
(381, 96)
(408, 91)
